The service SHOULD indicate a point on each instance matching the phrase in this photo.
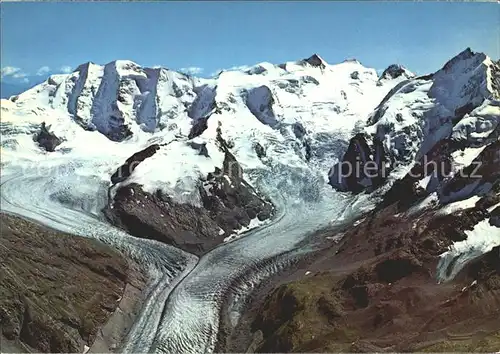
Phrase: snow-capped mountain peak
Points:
(316, 61)
(394, 71)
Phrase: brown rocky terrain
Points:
(63, 293)
(377, 291)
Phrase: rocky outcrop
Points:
(260, 102)
(58, 291)
(229, 204)
(46, 139)
(229, 199)
(495, 217)
(362, 167)
(200, 147)
(259, 150)
(157, 216)
(198, 127)
(394, 71)
(481, 173)
(125, 170)
(315, 61)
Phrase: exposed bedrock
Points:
(125, 170)
(228, 204)
(363, 167)
(46, 139)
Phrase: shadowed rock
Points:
(315, 61)
(125, 170)
(362, 167)
(46, 139)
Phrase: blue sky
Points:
(54, 37)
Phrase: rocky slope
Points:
(444, 119)
(437, 149)
(377, 290)
(62, 293)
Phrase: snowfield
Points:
(301, 113)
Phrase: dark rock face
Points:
(486, 268)
(315, 61)
(119, 131)
(495, 217)
(299, 130)
(394, 71)
(484, 169)
(260, 101)
(259, 150)
(201, 148)
(125, 170)
(460, 112)
(308, 150)
(157, 216)
(46, 139)
(230, 200)
(466, 54)
(362, 167)
(437, 164)
(228, 204)
(198, 127)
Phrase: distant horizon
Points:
(201, 38)
(249, 65)
(12, 87)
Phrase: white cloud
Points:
(66, 69)
(25, 80)
(19, 75)
(233, 68)
(44, 70)
(10, 70)
(215, 73)
(193, 70)
(239, 68)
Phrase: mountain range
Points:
(391, 180)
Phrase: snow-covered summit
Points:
(419, 112)
(394, 71)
